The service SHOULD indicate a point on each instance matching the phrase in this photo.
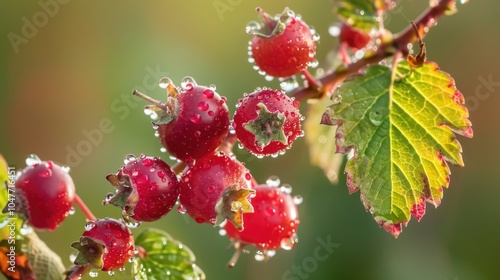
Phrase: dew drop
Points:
(248, 176)
(93, 273)
(298, 199)
(45, 173)
(209, 93)
(128, 158)
(271, 253)
(164, 82)
(377, 116)
(270, 211)
(188, 83)
(111, 272)
(289, 84)
(195, 118)
(157, 133)
(273, 181)
(163, 150)
(289, 243)
(71, 211)
(337, 99)
(131, 223)
(316, 37)
(108, 197)
(26, 230)
(259, 256)
(334, 30)
(181, 209)
(33, 159)
(90, 225)
(251, 27)
(121, 268)
(148, 111)
(203, 106)
(268, 78)
(314, 63)
(72, 257)
(222, 232)
(286, 188)
(66, 168)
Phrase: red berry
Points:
(353, 37)
(267, 122)
(105, 244)
(193, 121)
(44, 193)
(272, 225)
(147, 188)
(283, 46)
(212, 186)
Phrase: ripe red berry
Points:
(267, 122)
(193, 121)
(147, 188)
(105, 244)
(44, 193)
(282, 46)
(353, 37)
(272, 225)
(215, 188)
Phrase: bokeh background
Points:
(79, 64)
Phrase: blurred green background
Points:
(80, 63)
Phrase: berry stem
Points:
(266, 19)
(179, 167)
(387, 49)
(149, 99)
(312, 82)
(86, 211)
(234, 259)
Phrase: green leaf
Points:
(321, 141)
(398, 128)
(166, 258)
(361, 14)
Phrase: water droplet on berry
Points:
(289, 243)
(203, 105)
(188, 83)
(66, 168)
(268, 78)
(314, 63)
(131, 223)
(45, 173)
(270, 211)
(163, 150)
(298, 199)
(209, 93)
(252, 27)
(164, 82)
(135, 173)
(93, 273)
(33, 159)
(251, 60)
(195, 118)
(273, 181)
(199, 220)
(222, 232)
(129, 158)
(72, 257)
(90, 225)
(111, 272)
(181, 209)
(71, 211)
(286, 188)
(108, 197)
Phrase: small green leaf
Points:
(321, 141)
(165, 258)
(361, 14)
(400, 128)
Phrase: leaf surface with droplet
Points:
(400, 125)
(165, 258)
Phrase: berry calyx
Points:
(193, 121)
(44, 187)
(355, 38)
(267, 122)
(146, 188)
(106, 244)
(283, 45)
(272, 225)
(216, 188)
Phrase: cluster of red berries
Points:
(209, 183)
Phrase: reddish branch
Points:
(398, 44)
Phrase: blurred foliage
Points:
(77, 70)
